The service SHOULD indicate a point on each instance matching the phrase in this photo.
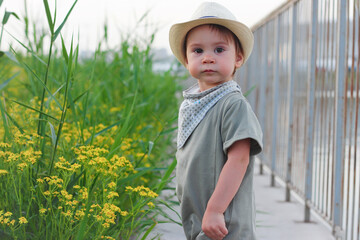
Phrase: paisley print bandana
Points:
(196, 104)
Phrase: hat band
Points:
(208, 17)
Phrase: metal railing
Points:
(305, 69)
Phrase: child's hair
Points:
(229, 36)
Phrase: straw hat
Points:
(210, 13)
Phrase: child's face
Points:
(211, 57)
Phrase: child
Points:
(218, 132)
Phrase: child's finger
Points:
(224, 230)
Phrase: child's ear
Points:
(239, 60)
(186, 63)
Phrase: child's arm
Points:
(231, 176)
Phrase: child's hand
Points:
(213, 225)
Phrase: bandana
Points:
(196, 104)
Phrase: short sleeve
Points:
(240, 122)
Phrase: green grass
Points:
(86, 144)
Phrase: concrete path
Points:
(275, 220)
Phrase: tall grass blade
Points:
(81, 233)
(124, 129)
(64, 52)
(5, 122)
(78, 97)
(34, 109)
(6, 82)
(14, 122)
(7, 16)
(12, 57)
(166, 177)
(250, 90)
(151, 145)
(1, 1)
(148, 231)
(48, 15)
(102, 131)
(53, 134)
(45, 87)
(173, 210)
(63, 22)
(27, 49)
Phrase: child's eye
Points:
(198, 50)
(219, 49)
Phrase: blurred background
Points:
(123, 18)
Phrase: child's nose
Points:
(208, 58)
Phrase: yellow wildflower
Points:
(151, 204)
(106, 225)
(124, 213)
(21, 166)
(42, 211)
(23, 220)
(112, 185)
(5, 145)
(79, 214)
(8, 214)
(112, 194)
(107, 237)
(3, 172)
(40, 180)
(67, 213)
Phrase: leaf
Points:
(2, 53)
(133, 176)
(5, 123)
(5, 83)
(81, 233)
(31, 108)
(1, 1)
(151, 145)
(250, 90)
(46, 88)
(78, 97)
(166, 177)
(11, 56)
(102, 131)
(7, 16)
(63, 22)
(64, 52)
(53, 134)
(148, 231)
(29, 50)
(173, 210)
(48, 15)
(14, 122)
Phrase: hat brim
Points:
(178, 33)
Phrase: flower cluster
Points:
(7, 219)
(142, 191)
(95, 158)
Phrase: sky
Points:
(122, 18)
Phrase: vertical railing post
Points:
(275, 102)
(339, 121)
(263, 78)
(291, 101)
(310, 107)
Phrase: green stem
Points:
(1, 34)
(41, 123)
(63, 115)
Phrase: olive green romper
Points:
(201, 160)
